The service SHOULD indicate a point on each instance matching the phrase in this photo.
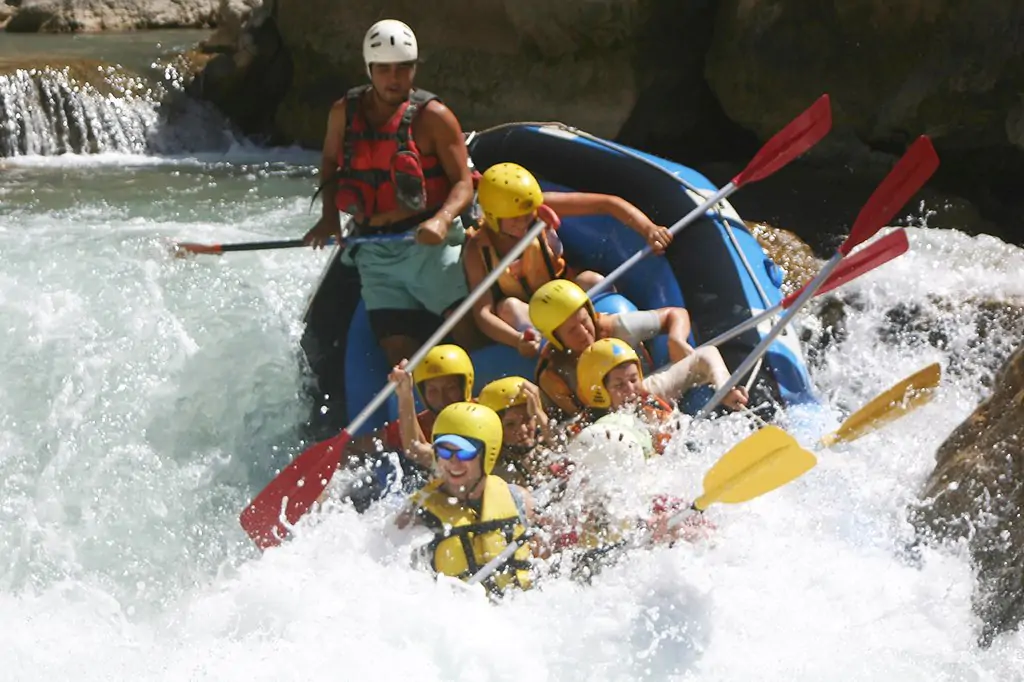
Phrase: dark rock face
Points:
(102, 15)
(951, 69)
(250, 71)
(702, 82)
(976, 492)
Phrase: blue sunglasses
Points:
(447, 446)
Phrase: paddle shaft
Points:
(450, 322)
(853, 266)
(259, 246)
(679, 225)
(762, 347)
(497, 562)
(799, 135)
(296, 243)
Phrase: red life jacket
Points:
(381, 170)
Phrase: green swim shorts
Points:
(404, 276)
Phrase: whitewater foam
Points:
(146, 399)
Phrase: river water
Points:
(145, 399)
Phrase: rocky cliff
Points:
(29, 16)
(702, 82)
(976, 493)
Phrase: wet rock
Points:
(826, 322)
(247, 71)
(789, 252)
(54, 16)
(976, 494)
(976, 333)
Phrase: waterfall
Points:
(94, 107)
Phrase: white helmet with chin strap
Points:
(389, 41)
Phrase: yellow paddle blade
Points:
(759, 464)
(904, 397)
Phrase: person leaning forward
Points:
(395, 158)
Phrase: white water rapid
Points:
(144, 400)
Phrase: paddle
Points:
(879, 252)
(757, 465)
(184, 249)
(300, 484)
(799, 135)
(906, 396)
(902, 182)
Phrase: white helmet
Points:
(389, 41)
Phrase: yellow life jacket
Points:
(536, 267)
(465, 541)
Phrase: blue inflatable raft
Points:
(714, 268)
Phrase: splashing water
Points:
(146, 399)
(92, 107)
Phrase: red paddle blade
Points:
(293, 491)
(903, 181)
(188, 248)
(802, 133)
(882, 251)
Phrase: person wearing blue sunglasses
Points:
(473, 513)
(444, 377)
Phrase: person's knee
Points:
(514, 312)
(588, 279)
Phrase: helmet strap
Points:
(470, 489)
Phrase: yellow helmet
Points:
(593, 366)
(554, 303)
(502, 394)
(472, 420)
(507, 190)
(442, 361)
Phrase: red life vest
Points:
(381, 170)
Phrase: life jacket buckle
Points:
(408, 180)
(352, 200)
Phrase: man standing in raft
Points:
(395, 158)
